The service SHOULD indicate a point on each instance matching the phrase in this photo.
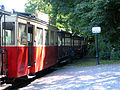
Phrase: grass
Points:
(110, 61)
(92, 62)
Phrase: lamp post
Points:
(97, 56)
(96, 30)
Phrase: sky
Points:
(17, 5)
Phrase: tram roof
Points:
(4, 12)
(30, 16)
(66, 32)
(25, 15)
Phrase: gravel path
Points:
(99, 77)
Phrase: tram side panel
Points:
(64, 43)
(60, 47)
(50, 56)
(22, 61)
(45, 55)
(9, 47)
(12, 61)
(78, 49)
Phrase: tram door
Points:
(30, 45)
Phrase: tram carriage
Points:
(78, 45)
(65, 41)
(30, 45)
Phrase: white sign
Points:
(96, 30)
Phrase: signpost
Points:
(96, 30)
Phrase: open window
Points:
(59, 39)
(46, 37)
(8, 33)
(76, 42)
(22, 34)
(39, 36)
(67, 40)
(52, 38)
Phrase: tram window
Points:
(52, 38)
(67, 41)
(22, 34)
(29, 37)
(59, 41)
(72, 42)
(39, 36)
(75, 42)
(46, 37)
(63, 41)
(9, 33)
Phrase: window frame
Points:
(67, 36)
(39, 28)
(2, 33)
(19, 31)
(53, 43)
(45, 37)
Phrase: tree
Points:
(79, 16)
(40, 5)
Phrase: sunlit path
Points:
(100, 77)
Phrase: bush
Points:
(104, 50)
(91, 49)
(115, 55)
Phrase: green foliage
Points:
(104, 50)
(79, 16)
(40, 5)
(92, 62)
(115, 55)
(91, 49)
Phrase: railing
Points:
(3, 62)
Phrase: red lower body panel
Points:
(43, 57)
(17, 61)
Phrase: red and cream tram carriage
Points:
(31, 44)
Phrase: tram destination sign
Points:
(96, 29)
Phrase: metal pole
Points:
(97, 56)
(0, 30)
(4, 32)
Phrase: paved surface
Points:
(100, 77)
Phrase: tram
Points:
(29, 45)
